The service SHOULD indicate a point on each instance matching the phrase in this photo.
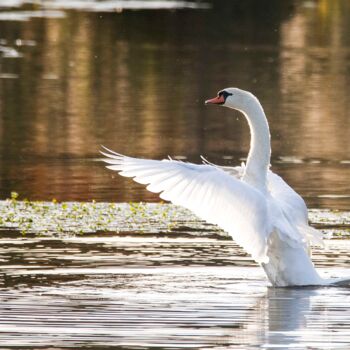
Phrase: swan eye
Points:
(225, 94)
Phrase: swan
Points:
(261, 212)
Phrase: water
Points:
(161, 292)
(157, 286)
(75, 75)
(135, 81)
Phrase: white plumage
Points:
(256, 207)
(211, 193)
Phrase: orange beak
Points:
(218, 100)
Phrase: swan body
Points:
(261, 212)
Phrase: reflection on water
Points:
(161, 293)
(136, 81)
(292, 310)
(109, 5)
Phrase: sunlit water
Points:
(158, 292)
(170, 289)
(78, 74)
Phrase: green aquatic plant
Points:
(14, 195)
(50, 218)
(70, 218)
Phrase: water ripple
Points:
(161, 292)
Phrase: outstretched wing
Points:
(293, 208)
(289, 212)
(209, 192)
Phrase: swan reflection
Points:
(300, 316)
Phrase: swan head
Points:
(233, 98)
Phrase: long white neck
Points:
(258, 161)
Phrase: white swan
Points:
(261, 212)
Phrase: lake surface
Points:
(75, 76)
(133, 76)
(184, 287)
(146, 280)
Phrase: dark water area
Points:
(72, 79)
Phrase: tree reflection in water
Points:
(136, 81)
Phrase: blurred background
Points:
(133, 76)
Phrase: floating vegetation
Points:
(333, 223)
(52, 218)
(79, 218)
(330, 217)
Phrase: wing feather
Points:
(294, 209)
(209, 192)
(288, 211)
